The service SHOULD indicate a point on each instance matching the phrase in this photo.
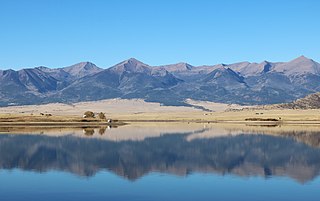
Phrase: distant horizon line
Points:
(133, 58)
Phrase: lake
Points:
(161, 162)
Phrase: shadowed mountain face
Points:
(242, 155)
(242, 83)
(128, 79)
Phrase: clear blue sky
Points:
(58, 33)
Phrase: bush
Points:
(102, 115)
(88, 114)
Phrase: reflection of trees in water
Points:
(241, 155)
(102, 130)
(88, 131)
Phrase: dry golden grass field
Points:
(138, 110)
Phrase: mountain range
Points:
(244, 155)
(241, 83)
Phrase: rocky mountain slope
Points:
(311, 101)
(242, 83)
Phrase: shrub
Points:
(88, 114)
(102, 115)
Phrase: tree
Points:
(88, 114)
(102, 115)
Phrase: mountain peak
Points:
(85, 65)
(301, 58)
(179, 67)
(225, 77)
(188, 66)
(134, 61)
(183, 63)
(81, 69)
(42, 68)
(302, 61)
(81, 65)
(131, 65)
(298, 66)
(223, 71)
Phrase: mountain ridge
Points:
(241, 83)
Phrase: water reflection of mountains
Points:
(242, 155)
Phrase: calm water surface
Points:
(190, 162)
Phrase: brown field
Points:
(138, 110)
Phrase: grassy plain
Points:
(140, 111)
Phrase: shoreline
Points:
(60, 124)
(137, 131)
(132, 121)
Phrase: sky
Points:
(58, 33)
